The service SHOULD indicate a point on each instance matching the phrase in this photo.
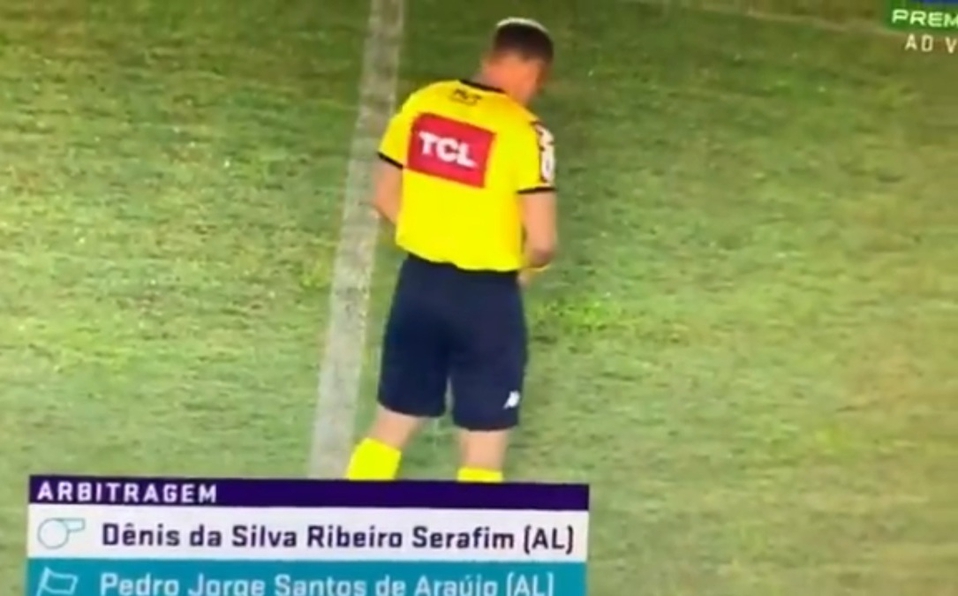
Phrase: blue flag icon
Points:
(56, 584)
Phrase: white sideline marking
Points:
(341, 365)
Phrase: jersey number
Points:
(547, 155)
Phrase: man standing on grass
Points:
(466, 174)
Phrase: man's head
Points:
(519, 58)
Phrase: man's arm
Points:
(387, 189)
(541, 229)
(538, 197)
(387, 173)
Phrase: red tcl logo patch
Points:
(450, 150)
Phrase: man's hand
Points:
(526, 275)
(525, 278)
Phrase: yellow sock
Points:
(373, 460)
(478, 475)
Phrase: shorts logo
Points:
(449, 149)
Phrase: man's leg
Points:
(482, 455)
(378, 455)
(412, 380)
(487, 372)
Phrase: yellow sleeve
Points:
(535, 158)
(395, 141)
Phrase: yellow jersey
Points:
(467, 152)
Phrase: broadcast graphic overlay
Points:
(932, 25)
(94, 536)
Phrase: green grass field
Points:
(749, 348)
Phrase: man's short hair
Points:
(523, 37)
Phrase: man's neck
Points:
(493, 83)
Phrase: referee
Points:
(466, 175)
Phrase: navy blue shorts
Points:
(458, 328)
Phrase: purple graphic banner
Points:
(239, 492)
